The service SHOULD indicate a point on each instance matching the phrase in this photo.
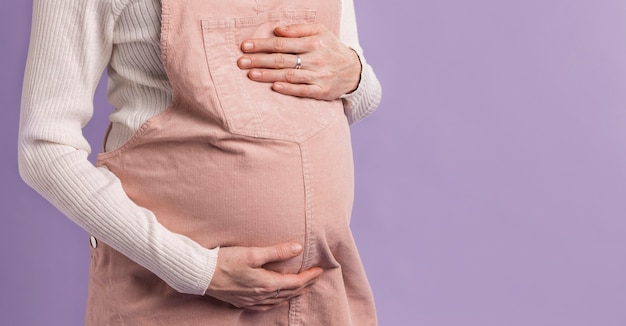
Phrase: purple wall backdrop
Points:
(491, 183)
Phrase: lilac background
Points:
(491, 183)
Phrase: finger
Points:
(276, 45)
(265, 307)
(270, 61)
(279, 252)
(302, 90)
(299, 30)
(292, 76)
(261, 307)
(275, 301)
(276, 285)
(284, 294)
(298, 281)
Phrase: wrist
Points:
(358, 69)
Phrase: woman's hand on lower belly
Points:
(241, 280)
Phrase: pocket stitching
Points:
(258, 128)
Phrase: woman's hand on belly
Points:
(328, 68)
(241, 280)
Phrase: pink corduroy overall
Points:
(232, 163)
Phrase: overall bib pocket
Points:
(253, 108)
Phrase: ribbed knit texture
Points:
(72, 42)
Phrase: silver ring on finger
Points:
(277, 293)
(298, 65)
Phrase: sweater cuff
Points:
(211, 265)
(362, 102)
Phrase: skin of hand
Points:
(329, 68)
(241, 280)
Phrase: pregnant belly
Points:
(247, 192)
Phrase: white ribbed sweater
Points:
(72, 42)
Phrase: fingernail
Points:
(247, 46)
(296, 248)
(255, 74)
(284, 28)
(244, 62)
(278, 87)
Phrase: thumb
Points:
(279, 252)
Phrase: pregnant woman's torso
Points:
(229, 162)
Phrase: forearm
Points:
(94, 199)
(70, 46)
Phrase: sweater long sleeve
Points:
(72, 42)
(71, 45)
